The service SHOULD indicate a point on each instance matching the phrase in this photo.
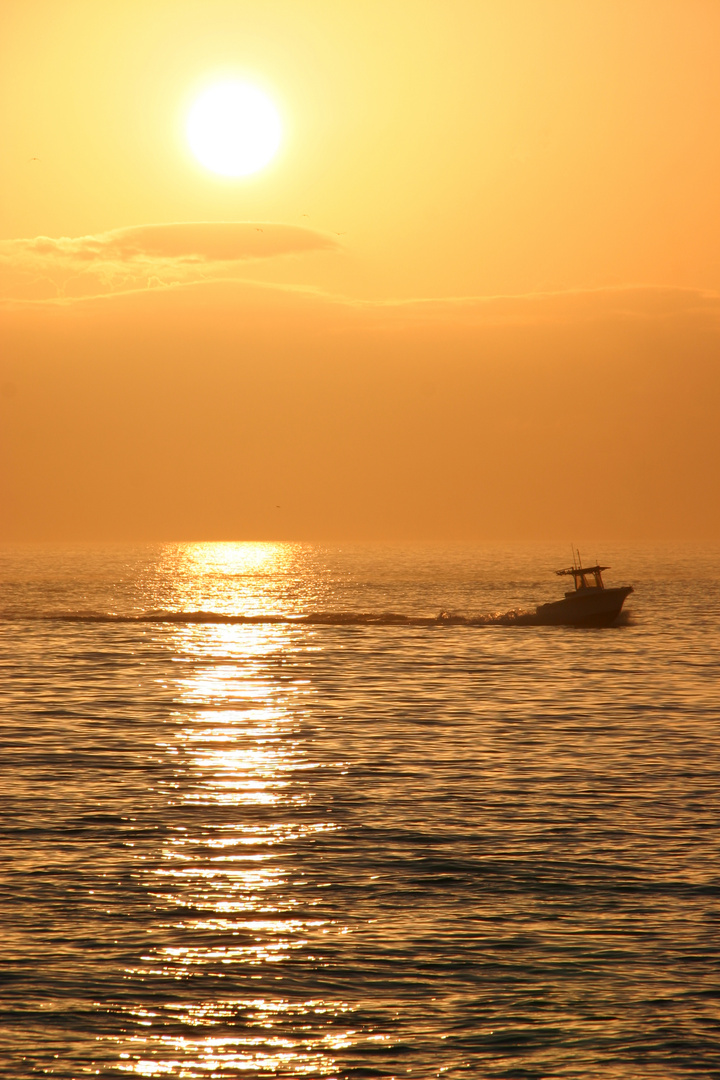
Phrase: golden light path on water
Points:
(243, 778)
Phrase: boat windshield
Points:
(588, 580)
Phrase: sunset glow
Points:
(348, 271)
(360, 538)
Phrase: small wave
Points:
(314, 618)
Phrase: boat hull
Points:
(587, 607)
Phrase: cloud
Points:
(567, 305)
(620, 306)
(201, 264)
(144, 256)
(224, 288)
(192, 241)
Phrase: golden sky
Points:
(476, 294)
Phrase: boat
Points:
(588, 604)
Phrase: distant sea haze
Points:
(285, 810)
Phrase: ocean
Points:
(265, 814)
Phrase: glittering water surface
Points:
(361, 846)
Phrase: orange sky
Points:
(484, 304)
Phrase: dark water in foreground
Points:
(375, 847)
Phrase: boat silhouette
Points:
(588, 604)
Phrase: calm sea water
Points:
(366, 844)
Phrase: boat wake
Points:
(314, 618)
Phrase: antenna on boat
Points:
(572, 548)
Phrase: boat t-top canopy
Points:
(575, 570)
(586, 577)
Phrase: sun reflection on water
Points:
(231, 900)
(233, 578)
(265, 1052)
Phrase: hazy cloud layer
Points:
(145, 256)
(200, 263)
(221, 293)
(232, 411)
(574, 305)
(261, 304)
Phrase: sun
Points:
(234, 129)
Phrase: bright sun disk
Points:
(234, 129)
